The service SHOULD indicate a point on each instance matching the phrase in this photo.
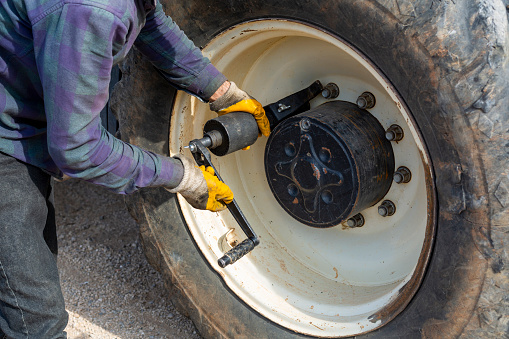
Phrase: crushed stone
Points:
(109, 288)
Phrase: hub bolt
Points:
(394, 133)
(355, 221)
(387, 208)
(305, 124)
(402, 175)
(330, 91)
(366, 100)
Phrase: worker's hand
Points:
(236, 100)
(219, 193)
(201, 188)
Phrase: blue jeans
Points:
(31, 301)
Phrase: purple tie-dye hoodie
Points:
(55, 62)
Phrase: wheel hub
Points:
(328, 164)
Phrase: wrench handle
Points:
(202, 157)
(236, 253)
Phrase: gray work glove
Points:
(201, 188)
(236, 100)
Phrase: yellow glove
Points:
(236, 100)
(201, 188)
(219, 193)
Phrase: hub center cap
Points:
(329, 163)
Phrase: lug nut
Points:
(387, 208)
(402, 175)
(305, 124)
(366, 100)
(355, 221)
(394, 133)
(330, 91)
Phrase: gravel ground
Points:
(109, 288)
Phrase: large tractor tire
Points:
(437, 268)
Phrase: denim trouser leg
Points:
(31, 301)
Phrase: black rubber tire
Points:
(448, 61)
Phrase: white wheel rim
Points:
(320, 282)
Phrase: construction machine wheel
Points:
(434, 266)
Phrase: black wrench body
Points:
(202, 156)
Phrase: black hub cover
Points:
(329, 163)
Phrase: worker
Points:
(56, 57)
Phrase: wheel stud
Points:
(394, 133)
(402, 175)
(387, 208)
(305, 124)
(330, 91)
(355, 221)
(366, 100)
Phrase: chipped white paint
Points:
(321, 282)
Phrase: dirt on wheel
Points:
(109, 288)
